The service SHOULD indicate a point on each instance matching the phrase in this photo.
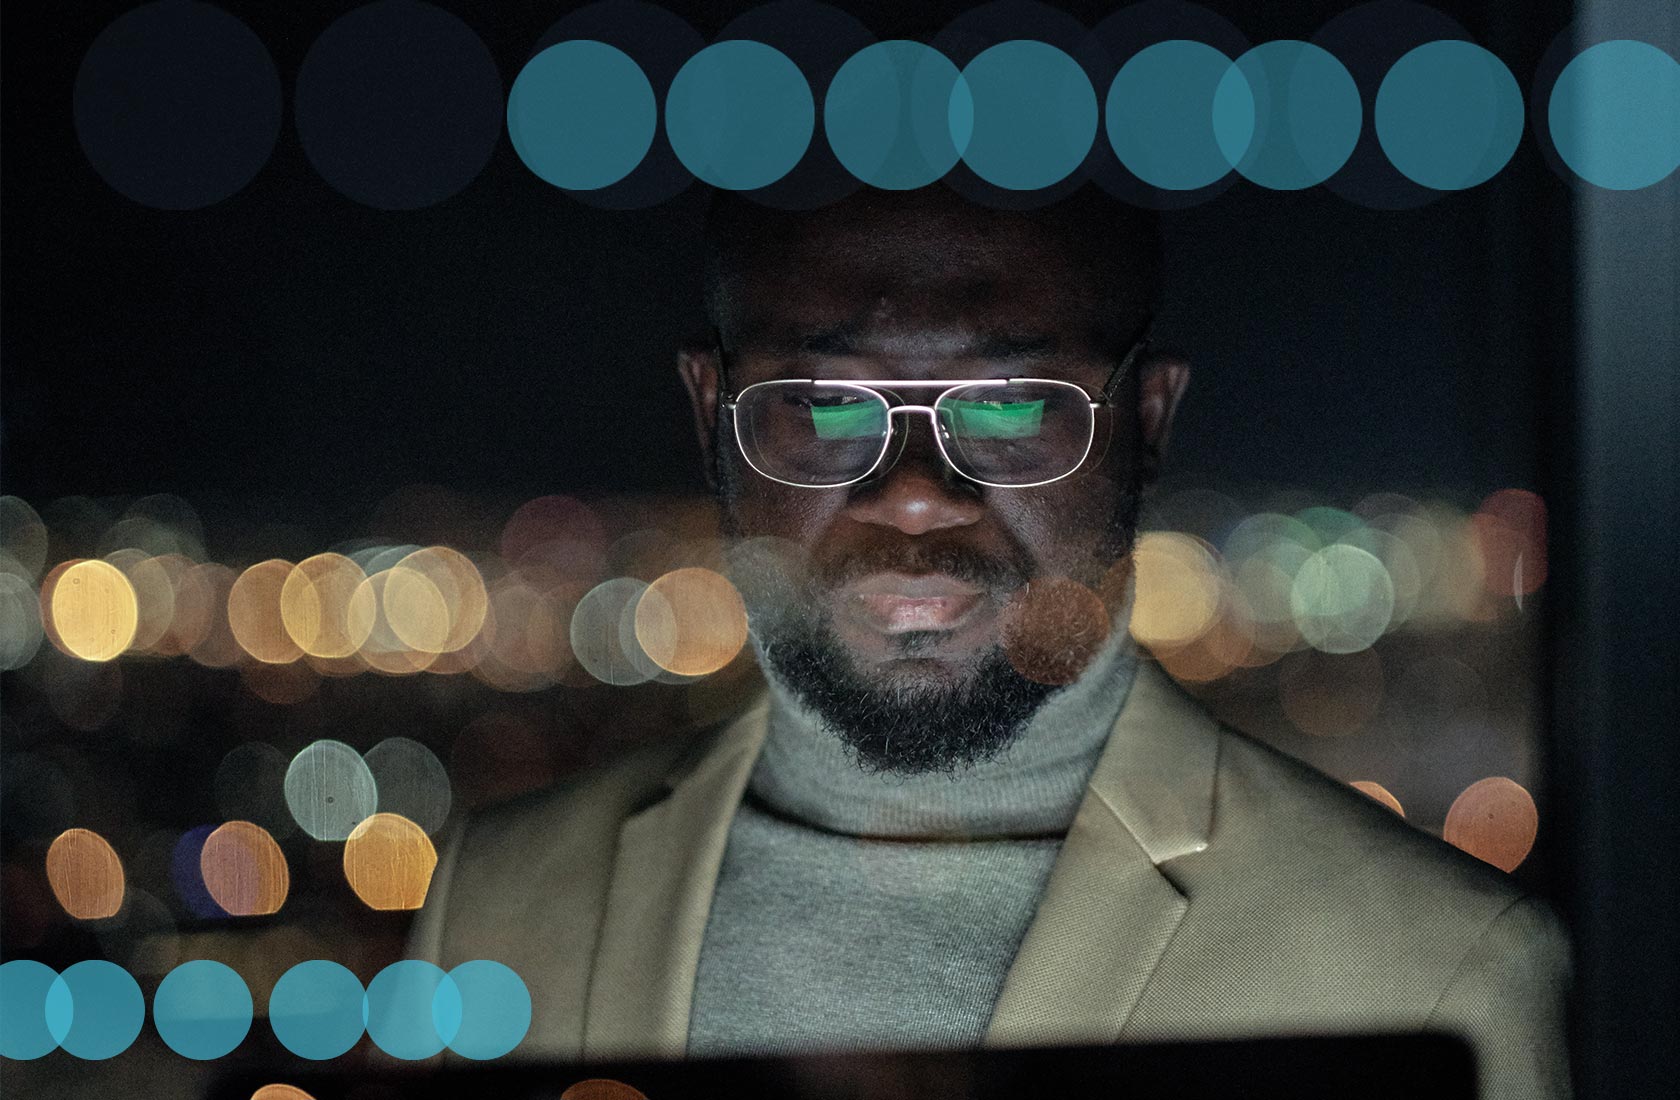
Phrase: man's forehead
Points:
(912, 280)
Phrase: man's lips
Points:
(896, 603)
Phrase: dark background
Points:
(289, 355)
(292, 354)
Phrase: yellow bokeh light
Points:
(388, 861)
(462, 601)
(1376, 791)
(244, 869)
(154, 594)
(383, 651)
(1177, 589)
(280, 1092)
(85, 875)
(94, 611)
(1495, 820)
(325, 607)
(254, 613)
(691, 621)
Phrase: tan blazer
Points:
(1209, 887)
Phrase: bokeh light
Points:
(250, 785)
(411, 781)
(330, 790)
(85, 874)
(280, 1092)
(20, 621)
(94, 612)
(1177, 589)
(438, 602)
(202, 1009)
(254, 614)
(740, 115)
(1376, 791)
(1342, 599)
(23, 537)
(601, 1088)
(325, 608)
(388, 861)
(244, 870)
(215, 647)
(1052, 628)
(600, 642)
(1495, 820)
(690, 621)
(582, 115)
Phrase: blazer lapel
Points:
(1108, 913)
(660, 894)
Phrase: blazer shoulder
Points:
(1309, 827)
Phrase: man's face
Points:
(903, 588)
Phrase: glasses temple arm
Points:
(1124, 367)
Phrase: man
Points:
(967, 811)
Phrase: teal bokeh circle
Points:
(202, 1009)
(887, 115)
(316, 1009)
(96, 1010)
(740, 115)
(24, 1031)
(1024, 115)
(582, 115)
(1306, 118)
(1164, 112)
(412, 1009)
(1615, 115)
(495, 1009)
(1449, 115)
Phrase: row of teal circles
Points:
(1023, 115)
(318, 1009)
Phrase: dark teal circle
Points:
(412, 1009)
(315, 1009)
(1306, 121)
(582, 115)
(24, 1031)
(740, 115)
(202, 1009)
(102, 1005)
(1163, 114)
(1449, 115)
(1024, 115)
(1615, 115)
(495, 1009)
(177, 105)
(887, 115)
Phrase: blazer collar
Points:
(1099, 931)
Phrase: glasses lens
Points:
(1016, 433)
(811, 434)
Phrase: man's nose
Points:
(917, 491)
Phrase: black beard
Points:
(913, 726)
(905, 728)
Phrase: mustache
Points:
(965, 563)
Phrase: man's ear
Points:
(1162, 380)
(698, 365)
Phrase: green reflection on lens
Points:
(993, 419)
(847, 421)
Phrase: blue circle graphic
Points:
(412, 1009)
(1305, 120)
(582, 115)
(1449, 115)
(495, 1009)
(202, 1009)
(398, 104)
(177, 105)
(102, 1006)
(1615, 115)
(887, 115)
(740, 115)
(1163, 113)
(1024, 116)
(24, 1030)
(316, 1009)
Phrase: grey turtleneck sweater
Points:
(857, 910)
